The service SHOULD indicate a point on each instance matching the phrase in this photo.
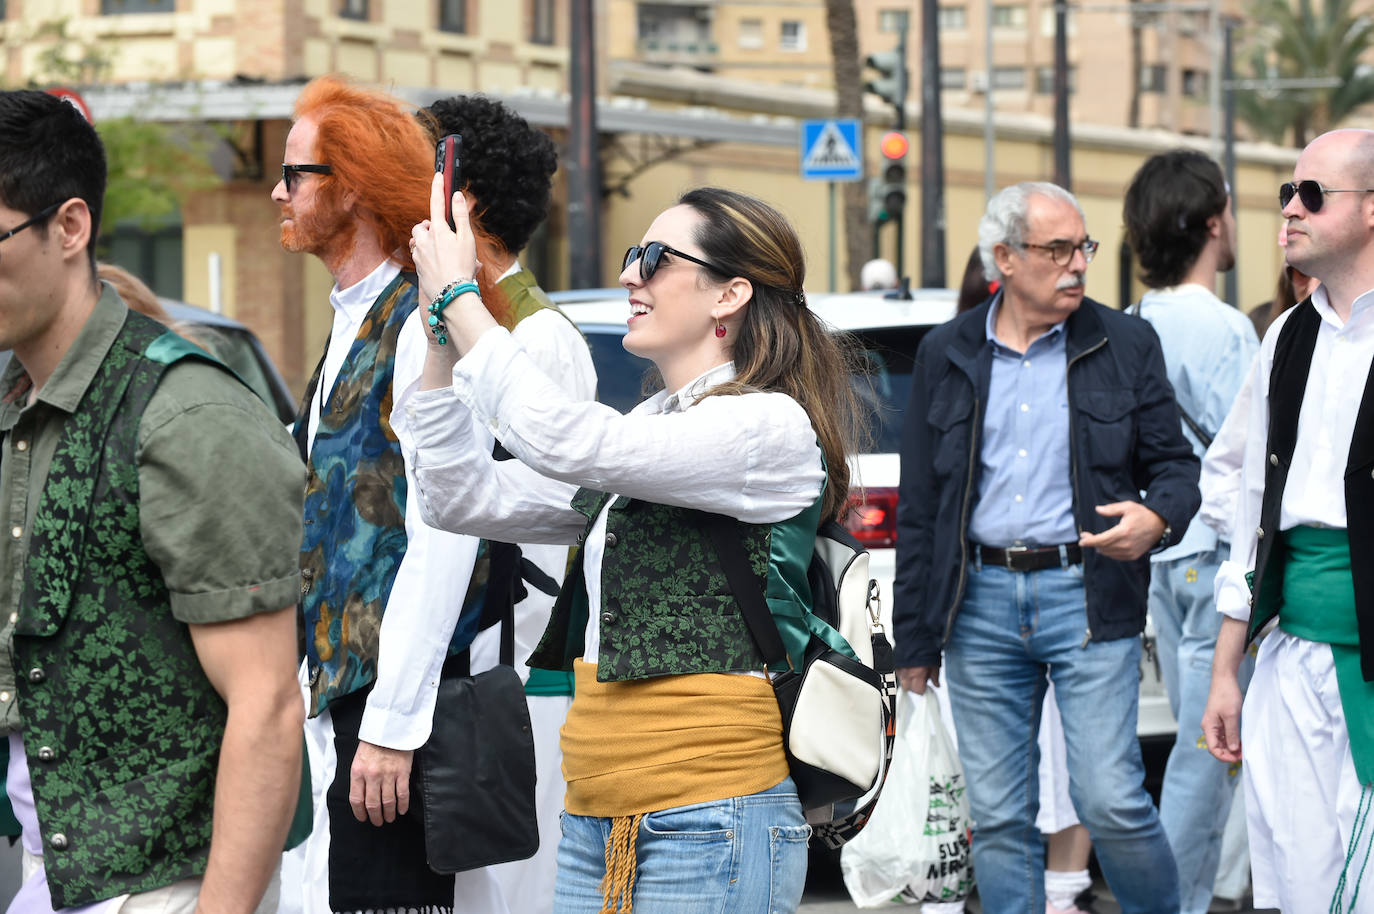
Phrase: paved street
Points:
(826, 895)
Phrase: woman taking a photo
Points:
(678, 795)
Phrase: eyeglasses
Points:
(1310, 193)
(290, 172)
(31, 221)
(1061, 252)
(650, 256)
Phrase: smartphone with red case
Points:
(446, 160)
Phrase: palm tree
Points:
(849, 102)
(1297, 39)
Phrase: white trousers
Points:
(526, 886)
(1056, 807)
(1301, 792)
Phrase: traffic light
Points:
(893, 79)
(877, 201)
(892, 186)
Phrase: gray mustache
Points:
(1069, 282)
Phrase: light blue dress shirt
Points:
(1025, 494)
(1208, 348)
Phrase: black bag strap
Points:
(536, 577)
(460, 664)
(1188, 420)
(748, 594)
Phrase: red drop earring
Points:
(720, 330)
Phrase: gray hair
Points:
(1004, 221)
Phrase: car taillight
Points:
(872, 517)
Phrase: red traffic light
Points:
(894, 145)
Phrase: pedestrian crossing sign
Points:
(832, 150)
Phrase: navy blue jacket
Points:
(1126, 438)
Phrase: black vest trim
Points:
(1287, 387)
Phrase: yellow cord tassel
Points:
(618, 885)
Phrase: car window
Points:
(883, 383)
(620, 375)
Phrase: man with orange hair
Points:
(381, 592)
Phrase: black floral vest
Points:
(121, 727)
(666, 605)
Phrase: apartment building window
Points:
(353, 9)
(1008, 77)
(893, 20)
(1047, 23)
(951, 18)
(668, 26)
(1009, 16)
(1195, 83)
(751, 33)
(1044, 80)
(541, 22)
(953, 77)
(115, 7)
(793, 35)
(1152, 78)
(453, 15)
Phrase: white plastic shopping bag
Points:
(915, 847)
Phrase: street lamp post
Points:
(932, 153)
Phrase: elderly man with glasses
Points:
(1036, 421)
(1300, 557)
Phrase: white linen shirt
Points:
(1220, 480)
(1315, 491)
(432, 579)
(561, 352)
(753, 457)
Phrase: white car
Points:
(889, 331)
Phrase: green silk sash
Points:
(1319, 605)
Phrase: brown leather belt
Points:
(1030, 558)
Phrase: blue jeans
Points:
(1197, 790)
(744, 855)
(1012, 629)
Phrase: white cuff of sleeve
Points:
(440, 426)
(1232, 591)
(393, 729)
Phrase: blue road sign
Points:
(831, 150)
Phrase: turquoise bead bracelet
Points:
(442, 301)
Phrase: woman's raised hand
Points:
(443, 255)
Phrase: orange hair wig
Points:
(384, 158)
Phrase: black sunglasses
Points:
(31, 221)
(290, 172)
(651, 255)
(1310, 193)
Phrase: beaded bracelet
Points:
(442, 301)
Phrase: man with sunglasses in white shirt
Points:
(1305, 528)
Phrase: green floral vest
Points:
(666, 605)
(121, 727)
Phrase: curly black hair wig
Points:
(507, 165)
